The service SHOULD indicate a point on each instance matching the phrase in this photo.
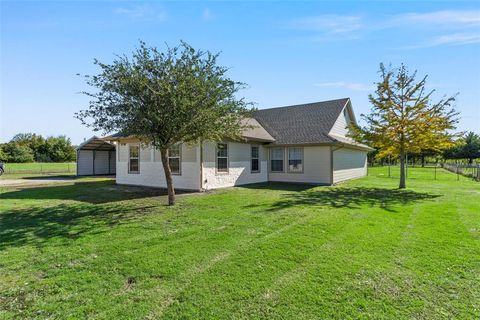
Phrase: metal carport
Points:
(96, 156)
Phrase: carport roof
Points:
(96, 143)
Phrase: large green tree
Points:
(180, 95)
(17, 152)
(405, 119)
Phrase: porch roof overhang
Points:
(97, 144)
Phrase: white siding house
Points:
(296, 144)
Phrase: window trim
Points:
(257, 158)
(288, 160)
(283, 159)
(227, 157)
(130, 158)
(179, 173)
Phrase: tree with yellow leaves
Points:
(404, 119)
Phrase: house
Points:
(305, 143)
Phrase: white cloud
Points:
(142, 12)
(331, 23)
(455, 39)
(355, 86)
(432, 26)
(446, 18)
(206, 14)
(136, 12)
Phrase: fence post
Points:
(406, 166)
(435, 173)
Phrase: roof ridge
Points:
(303, 104)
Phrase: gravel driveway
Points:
(33, 181)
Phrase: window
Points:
(222, 157)
(134, 159)
(295, 159)
(276, 164)
(174, 158)
(255, 161)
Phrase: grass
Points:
(38, 170)
(360, 250)
(20, 170)
(427, 173)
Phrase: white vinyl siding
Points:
(85, 163)
(316, 168)
(101, 162)
(349, 164)
(340, 127)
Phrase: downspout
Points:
(332, 150)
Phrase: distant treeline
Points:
(30, 147)
(466, 149)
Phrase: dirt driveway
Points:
(26, 182)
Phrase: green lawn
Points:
(19, 170)
(427, 173)
(361, 250)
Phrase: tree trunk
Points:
(423, 161)
(402, 171)
(168, 177)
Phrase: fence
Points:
(40, 168)
(444, 172)
(472, 171)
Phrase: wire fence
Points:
(39, 168)
(442, 172)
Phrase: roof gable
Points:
(302, 124)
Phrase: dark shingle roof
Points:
(301, 124)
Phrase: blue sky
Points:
(287, 52)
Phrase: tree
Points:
(3, 155)
(17, 152)
(34, 141)
(164, 98)
(59, 149)
(471, 149)
(466, 148)
(404, 119)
